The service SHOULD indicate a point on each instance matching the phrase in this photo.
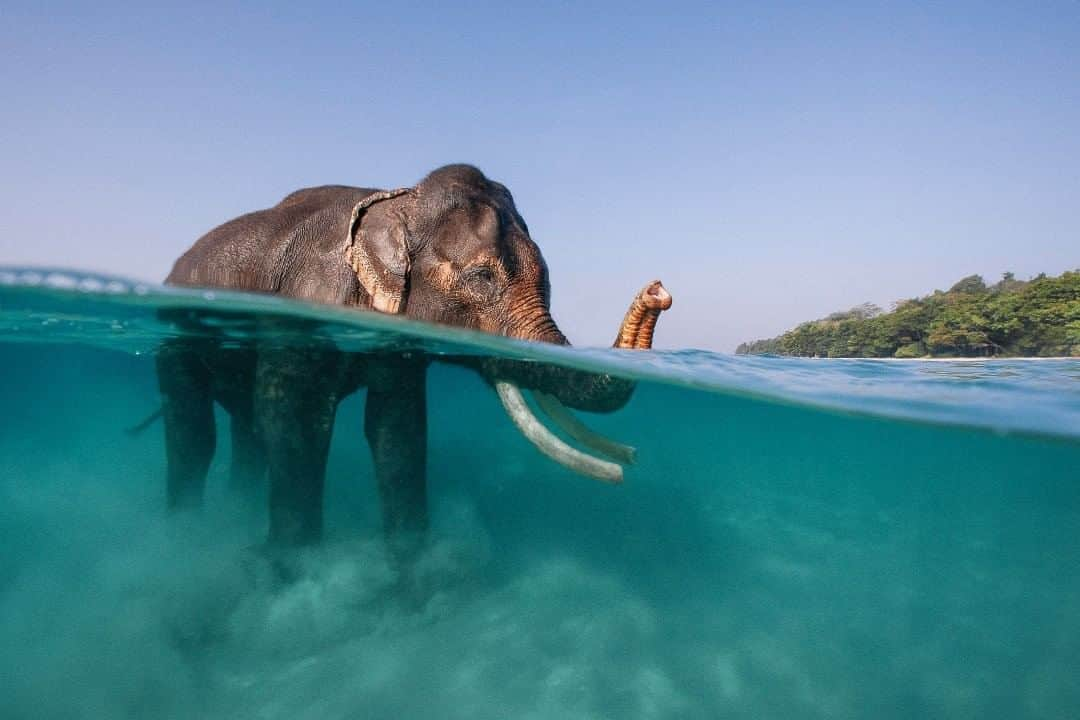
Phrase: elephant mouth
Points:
(636, 332)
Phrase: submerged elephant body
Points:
(451, 250)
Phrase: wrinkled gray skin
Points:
(452, 250)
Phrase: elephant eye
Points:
(481, 276)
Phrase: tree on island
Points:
(1011, 318)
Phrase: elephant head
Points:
(454, 250)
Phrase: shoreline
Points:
(921, 359)
(956, 359)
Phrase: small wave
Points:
(52, 305)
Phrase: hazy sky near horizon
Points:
(770, 163)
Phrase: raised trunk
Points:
(579, 389)
(639, 324)
(554, 386)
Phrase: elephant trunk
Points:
(579, 389)
(639, 324)
(531, 320)
(557, 387)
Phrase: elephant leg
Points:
(248, 463)
(234, 375)
(296, 397)
(395, 423)
(188, 412)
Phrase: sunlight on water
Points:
(818, 539)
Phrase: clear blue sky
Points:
(770, 163)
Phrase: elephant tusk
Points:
(576, 429)
(547, 443)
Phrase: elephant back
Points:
(262, 250)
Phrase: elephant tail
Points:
(136, 430)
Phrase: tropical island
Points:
(1039, 317)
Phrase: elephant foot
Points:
(276, 563)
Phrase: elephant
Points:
(452, 250)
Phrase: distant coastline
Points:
(1036, 318)
(959, 359)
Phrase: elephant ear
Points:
(377, 250)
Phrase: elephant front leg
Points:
(188, 412)
(395, 422)
(234, 389)
(296, 397)
(248, 460)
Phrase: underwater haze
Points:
(798, 539)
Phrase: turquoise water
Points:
(799, 539)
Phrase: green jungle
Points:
(1039, 317)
